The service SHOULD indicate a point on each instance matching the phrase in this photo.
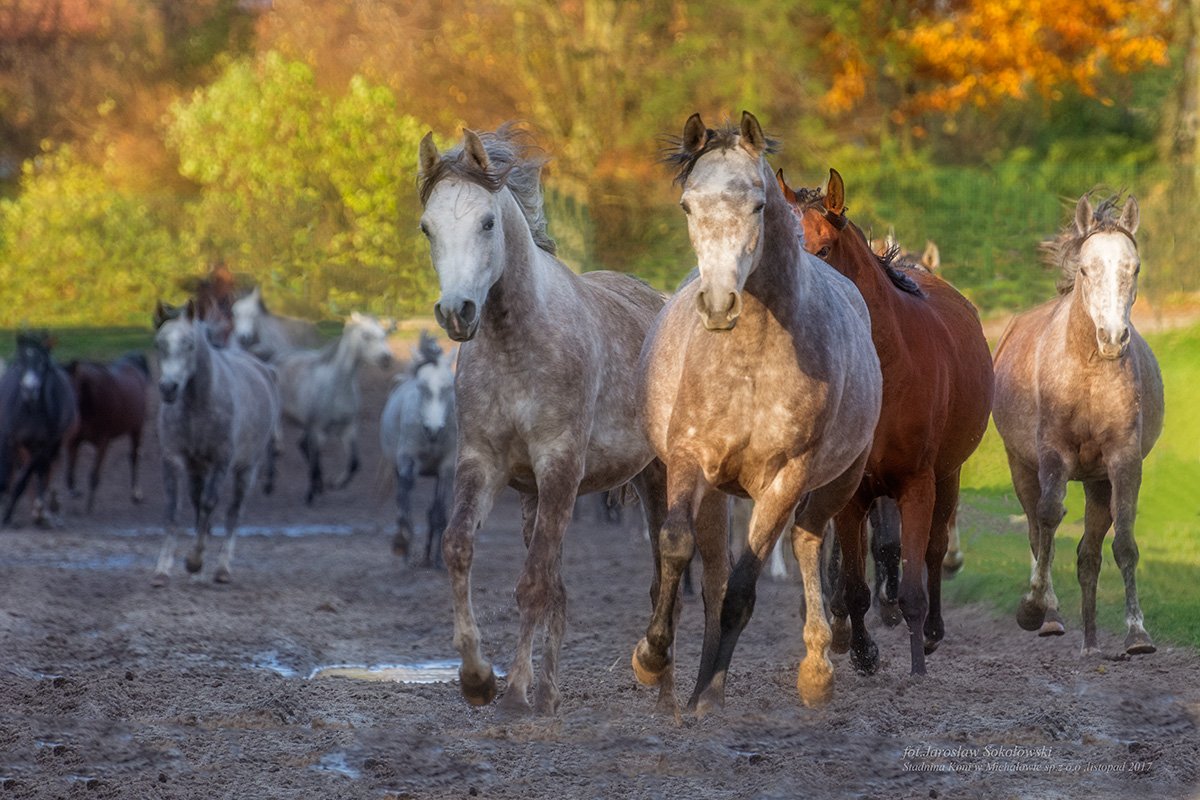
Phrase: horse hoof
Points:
(136, 498)
(1030, 615)
(400, 545)
(159, 580)
(866, 661)
(889, 613)
(222, 575)
(546, 700)
(514, 704)
(815, 682)
(951, 565)
(1053, 626)
(1138, 643)
(647, 668)
(931, 645)
(193, 564)
(706, 702)
(841, 635)
(478, 692)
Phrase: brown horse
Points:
(937, 393)
(1079, 397)
(760, 380)
(112, 404)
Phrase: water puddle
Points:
(286, 531)
(269, 659)
(102, 563)
(336, 763)
(420, 672)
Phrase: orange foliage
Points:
(987, 51)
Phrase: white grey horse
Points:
(321, 395)
(418, 434)
(219, 408)
(268, 335)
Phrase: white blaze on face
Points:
(246, 312)
(1109, 266)
(462, 223)
(723, 200)
(176, 352)
(31, 382)
(436, 383)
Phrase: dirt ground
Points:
(109, 688)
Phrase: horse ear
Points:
(1083, 215)
(190, 312)
(1130, 215)
(753, 138)
(428, 154)
(835, 193)
(931, 259)
(788, 194)
(695, 134)
(473, 147)
(160, 314)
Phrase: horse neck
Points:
(347, 355)
(1081, 329)
(514, 302)
(200, 383)
(851, 255)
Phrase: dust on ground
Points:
(109, 688)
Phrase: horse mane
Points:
(888, 262)
(1061, 252)
(724, 138)
(515, 162)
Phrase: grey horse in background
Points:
(268, 335)
(219, 409)
(418, 434)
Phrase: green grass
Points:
(996, 544)
(100, 344)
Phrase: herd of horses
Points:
(795, 367)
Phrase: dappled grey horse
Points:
(760, 380)
(546, 387)
(218, 410)
(1079, 397)
(418, 434)
(265, 334)
(321, 395)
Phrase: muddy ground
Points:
(109, 688)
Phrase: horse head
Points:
(724, 196)
(1107, 270)
(435, 386)
(179, 341)
(33, 360)
(248, 310)
(367, 339)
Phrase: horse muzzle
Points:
(460, 323)
(719, 313)
(1112, 345)
(169, 391)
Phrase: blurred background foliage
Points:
(143, 140)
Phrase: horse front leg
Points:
(673, 544)
(72, 458)
(18, 490)
(474, 492)
(884, 518)
(1126, 483)
(851, 604)
(952, 564)
(166, 555)
(916, 499)
(243, 477)
(1097, 519)
(135, 446)
(310, 445)
(94, 477)
(349, 437)
(651, 487)
(541, 595)
(1043, 495)
(405, 473)
(204, 498)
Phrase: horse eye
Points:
(823, 252)
(759, 207)
(489, 223)
(425, 230)
(686, 208)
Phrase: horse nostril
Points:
(468, 312)
(439, 315)
(1124, 337)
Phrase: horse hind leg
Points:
(945, 506)
(405, 473)
(437, 519)
(135, 446)
(852, 603)
(310, 446)
(952, 564)
(1126, 483)
(350, 445)
(1097, 519)
(94, 477)
(917, 500)
(885, 552)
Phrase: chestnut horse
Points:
(937, 393)
(1079, 397)
(112, 404)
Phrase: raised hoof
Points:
(159, 580)
(476, 692)
(865, 662)
(815, 682)
(646, 667)
(931, 645)
(889, 613)
(1053, 624)
(193, 564)
(841, 634)
(222, 575)
(1030, 615)
(1138, 643)
(952, 564)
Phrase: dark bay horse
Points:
(37, 412)
(1079, 397)
(937, 394)
(545, 389)
(759, 379)
(112, 404)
